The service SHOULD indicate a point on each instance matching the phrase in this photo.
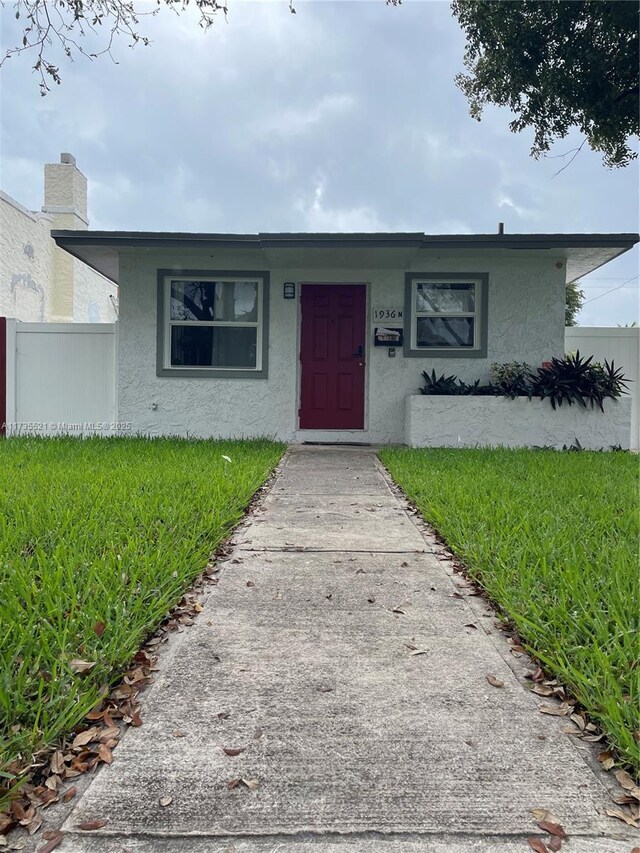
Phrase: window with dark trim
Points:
(212, 324)
(445, 314)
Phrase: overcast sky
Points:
(343, 117)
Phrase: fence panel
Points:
(621, 345)
(64, 378)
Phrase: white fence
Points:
(613, 344)
(60, 378)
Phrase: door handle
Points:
(359, 352)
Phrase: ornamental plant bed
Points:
(99, 539)
(572, 379)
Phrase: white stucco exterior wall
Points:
(26, 262)
(525, 323)
(433, 421)
(38, 281)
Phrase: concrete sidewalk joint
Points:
(337, 654)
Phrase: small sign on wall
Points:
(381, 315)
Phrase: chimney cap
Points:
(67, 158)
(500, 227)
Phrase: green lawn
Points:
(101, 530)
(553, 538)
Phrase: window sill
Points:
(209, 373)
(445, 353)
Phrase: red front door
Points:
(332, 355)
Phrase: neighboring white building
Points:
(38, 281)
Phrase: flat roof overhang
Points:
(583, 253)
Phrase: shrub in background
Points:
(511, 378)
(574, 379)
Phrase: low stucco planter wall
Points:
(432, 421)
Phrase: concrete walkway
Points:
(356, 741)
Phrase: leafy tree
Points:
(574, 302)
(556, 65)
(69, 23)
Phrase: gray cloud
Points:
(342, 117)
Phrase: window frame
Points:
(479, 350)
(164, 324)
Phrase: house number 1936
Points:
(387, 314)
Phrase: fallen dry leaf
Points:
(34, 824)
(82, 667)
(552, 828)
(90, 825)
(606, 760)
(555, 710)
(538, 845)
(198, 607)
(471, 625)
(494, 681)
(419, 652)
(179, 733)
(165, 801)
(98, 629)
(536, 675)
(57, 762)
(625, 781)
(544, 814)
(624, 816)
(109, 733)
(399, 610)
(554, 844)
(85, 737)
(233, 750)
(233, 783)
(105, 754)
(579, 720)
(69, 794)
(252, 784)
(542, 690)
(52, 842)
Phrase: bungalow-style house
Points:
(323, 337)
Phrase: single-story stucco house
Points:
(323, 337)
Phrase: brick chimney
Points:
(65, 202)
(65, 194)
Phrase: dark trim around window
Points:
(210, 372)
(409, 315)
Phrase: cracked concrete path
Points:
(357, 744)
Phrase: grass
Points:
(553, 539)
(101, 530)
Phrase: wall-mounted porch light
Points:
(289, 291)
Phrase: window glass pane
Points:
(214, 346)
(445, 331)
(215, 300)
(451, 298)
